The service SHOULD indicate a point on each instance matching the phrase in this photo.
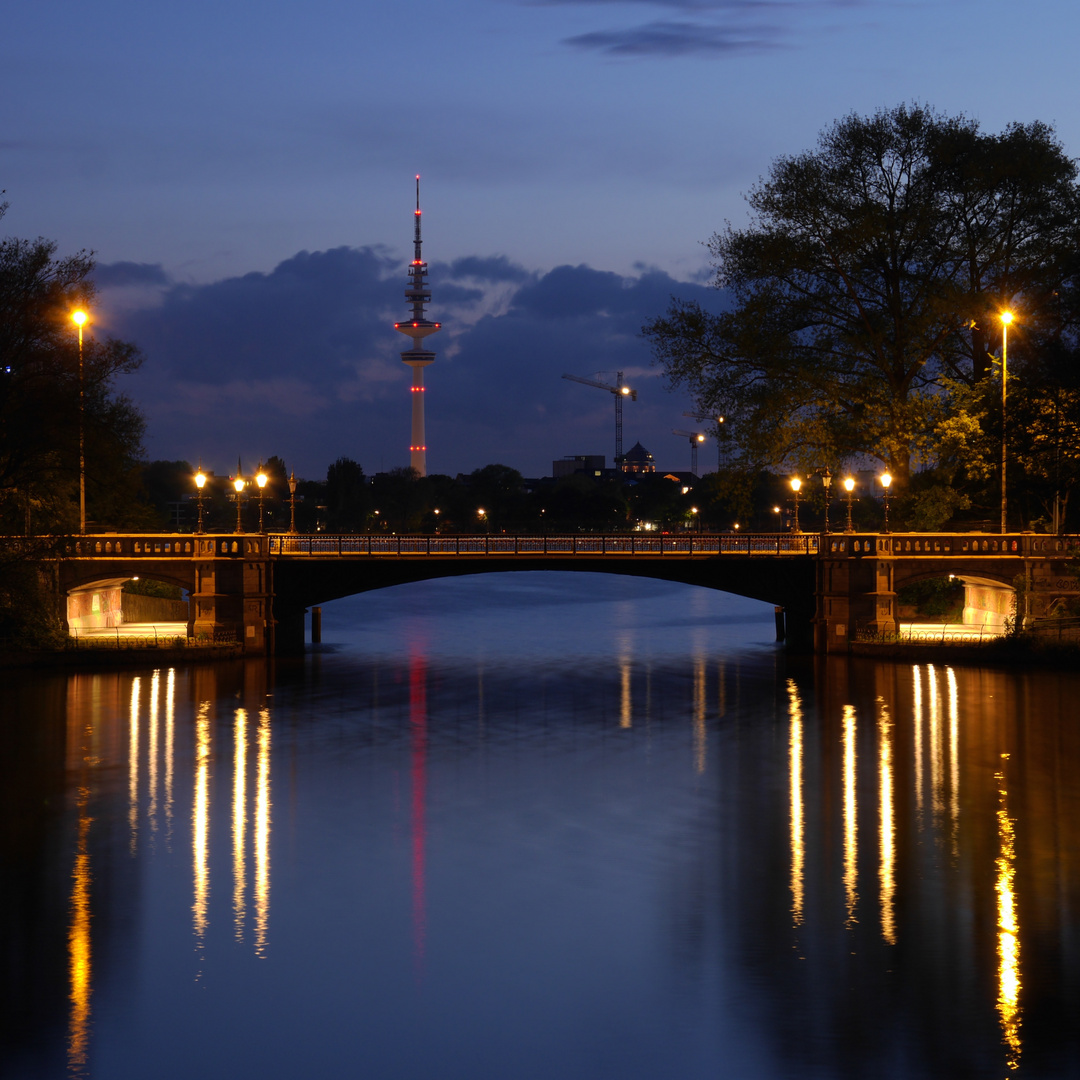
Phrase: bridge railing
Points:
(592, 544)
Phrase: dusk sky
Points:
(244, 174)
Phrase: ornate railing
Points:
(591, 544)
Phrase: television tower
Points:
(417, 357)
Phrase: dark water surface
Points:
(541, 826)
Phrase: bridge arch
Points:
(93, 598)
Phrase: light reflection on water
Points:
(670, 852)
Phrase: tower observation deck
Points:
(418, 328)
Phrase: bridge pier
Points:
(233, 590)
(855, 591)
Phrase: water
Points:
(539, 825)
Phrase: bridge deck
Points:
(614, 544)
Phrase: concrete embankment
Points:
(100, 657)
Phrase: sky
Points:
(244, 175)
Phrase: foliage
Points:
(40, 399)
(865, 290)
(348, 502)
(933, 597)
(146, 587)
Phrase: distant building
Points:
(638, 460)
(578, 465)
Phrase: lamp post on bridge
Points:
(239, 483)
(292, 503)
(826, 479)
(200, 483)
(260, 480)
(849, 487)
(796, 484)
(886, 482)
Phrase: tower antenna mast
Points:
(417, 328)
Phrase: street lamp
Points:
(292, 503)
(200, 483)
(260, 479)
(239, 483)
(886, 481)
(796, 484)
(695, 519)
(482, 514)
(1006, 318)
(849, 487)
(79, 319)
(826, 479)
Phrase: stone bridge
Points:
(255, 587)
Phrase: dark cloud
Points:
(492, 268)
(109, 275)
(303, 362)
(678, 39)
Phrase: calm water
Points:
(538, 826)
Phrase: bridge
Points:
(255, 587)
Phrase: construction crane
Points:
(718, 421)
(621, 391)
(696, 439)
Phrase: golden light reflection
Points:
(1008, 1002)
(887, 825)
(937, 743)
(239, 821)
(170, 734)
(851, 825)
(795, 764)
(626, 704)
(917, 709)
(200, 821)
(700, 738)
(133, 765)
(152, 751)
(79, 951)
(262, 834)
(954, 760)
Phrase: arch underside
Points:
(784, 581)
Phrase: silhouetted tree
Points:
(347, 496)
(39, 399)
(866, 290)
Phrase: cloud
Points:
(493, 268)
(303, 362)
(120, 274)
(678, 39)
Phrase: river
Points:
(536, 826)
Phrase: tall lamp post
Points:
(1006, 318)
(292, 503)
(849, 487)
(79, 319)
(886, 482)
(200, 483)
(260, 479)
(826, 479)
(796, 484)
(239, 483)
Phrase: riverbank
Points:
(1023, 651)
(98, 656)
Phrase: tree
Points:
(347, 498)
(864, 293)
(40, 399)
